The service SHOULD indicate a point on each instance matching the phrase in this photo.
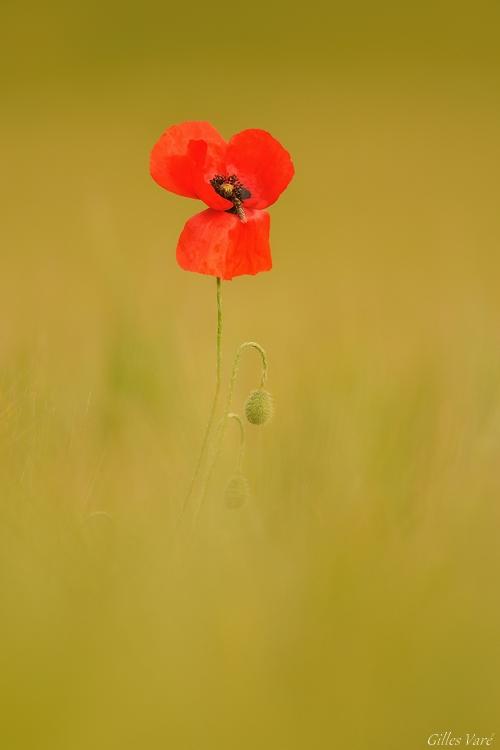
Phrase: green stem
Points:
(241, 451)
(215, 401)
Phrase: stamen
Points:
(230, 188)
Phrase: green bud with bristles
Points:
(259, 407)
(237, 491)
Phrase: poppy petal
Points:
(262, 165)
(185, 158)
(218, 243)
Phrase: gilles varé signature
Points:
(470, 739)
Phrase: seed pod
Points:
(259, 407)
(237, 491)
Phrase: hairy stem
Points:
(215, 401)
(241, 451)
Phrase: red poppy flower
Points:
(236, 180)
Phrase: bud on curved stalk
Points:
(237, 491)
(259, 410)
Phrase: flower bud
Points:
(259, 407)
(237, 491)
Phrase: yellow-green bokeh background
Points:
(353, 603)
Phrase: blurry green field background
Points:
(353, 601)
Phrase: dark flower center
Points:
(230, 188)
